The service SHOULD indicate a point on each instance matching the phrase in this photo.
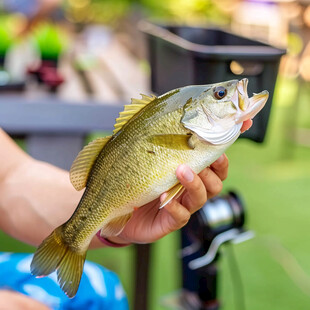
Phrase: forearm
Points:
(35, 197)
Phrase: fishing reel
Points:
(220, 220)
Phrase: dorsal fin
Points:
(83, 163)
(132, 109)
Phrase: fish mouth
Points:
(247, 107)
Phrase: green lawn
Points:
(274, 181)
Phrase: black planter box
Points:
(181, 55)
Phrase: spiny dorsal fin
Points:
(83, 163)
(132, 109)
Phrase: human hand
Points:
(246, 125)
(15, 301)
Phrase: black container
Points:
(181, 56)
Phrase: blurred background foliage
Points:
(96, 11)
(109, 11)
(51, 40)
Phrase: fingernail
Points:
(163, 197)
(220, 159)
(187, 173)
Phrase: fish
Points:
(192, 125)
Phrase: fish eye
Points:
(220, 92)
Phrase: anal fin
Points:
(115, 226)
(174, 193)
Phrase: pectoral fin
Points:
(115, 226)
(172, 141)
(174, 193)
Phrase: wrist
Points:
(114, 241)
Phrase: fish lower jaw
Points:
(256, 103)
(240, 118)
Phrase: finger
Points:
(246, 125)
(220, 167)
(195, 196)
(178, 215)
(211, 181)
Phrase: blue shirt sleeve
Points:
(99, 288)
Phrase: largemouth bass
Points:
(192, 125)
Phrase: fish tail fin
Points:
(54, 254)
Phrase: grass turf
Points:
(274, 181)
